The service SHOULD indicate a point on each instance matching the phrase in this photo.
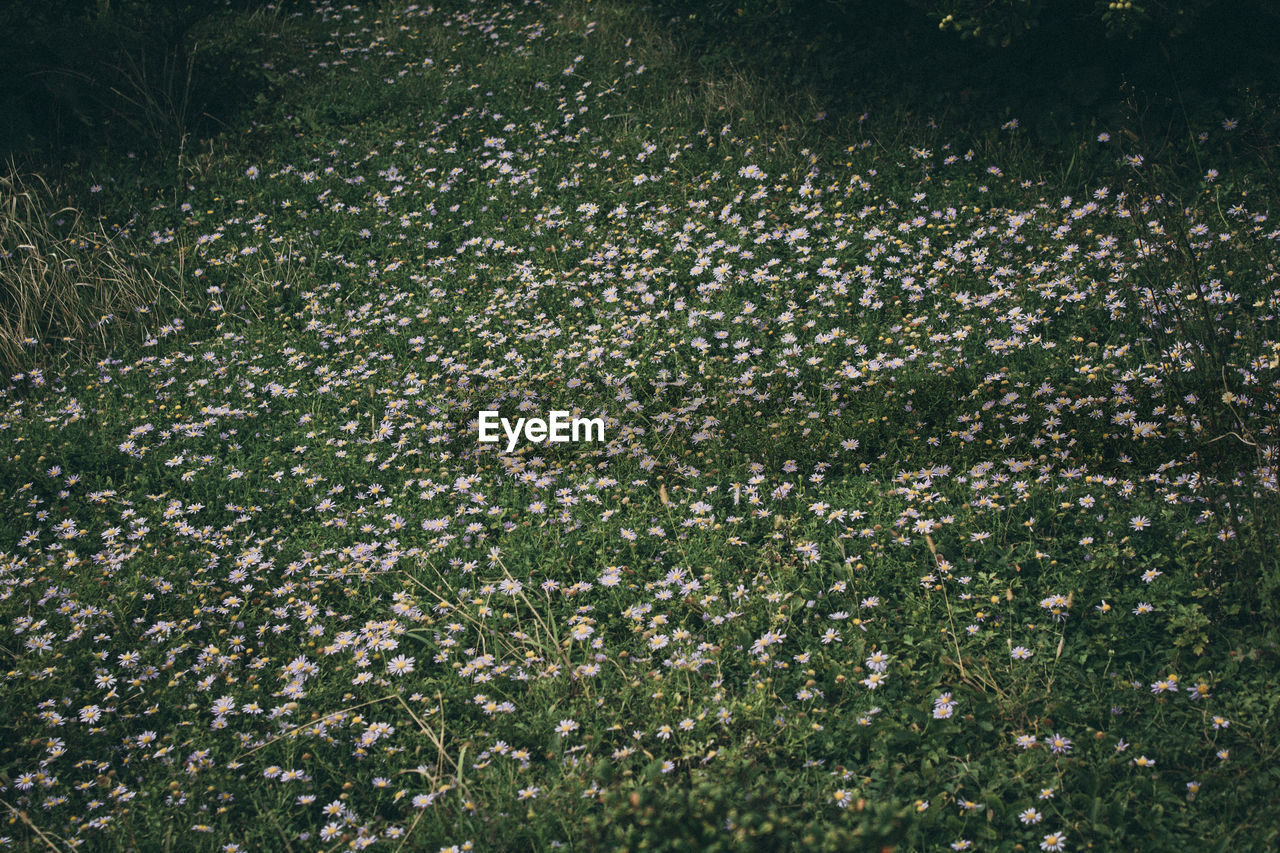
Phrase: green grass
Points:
(936, 510)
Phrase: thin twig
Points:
(22, 816)
(933, 549)
(438, 740)
(403, 841)
(1237, 435)
(316, 722)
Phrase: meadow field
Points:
(937, 507)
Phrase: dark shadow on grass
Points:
(78, 78)
(1061, 77)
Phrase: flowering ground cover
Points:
(937, 507)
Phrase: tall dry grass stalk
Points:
(63, 288)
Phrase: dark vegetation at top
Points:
(84, 77)
(1061, 66)
(81, 78)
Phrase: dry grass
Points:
(65, 287)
